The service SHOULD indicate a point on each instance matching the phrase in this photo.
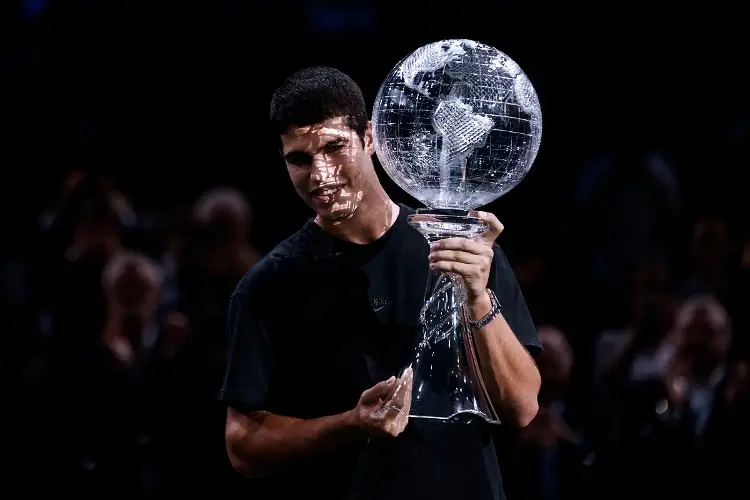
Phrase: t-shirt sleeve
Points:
(249, 357)
(513, 306)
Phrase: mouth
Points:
(327, 195)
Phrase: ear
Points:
(369, 147)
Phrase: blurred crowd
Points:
(113, 294)
(115, 346)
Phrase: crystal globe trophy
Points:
(456, 124)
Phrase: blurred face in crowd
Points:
(96, 239)
(134, 294)
(224, 216)
(705, 338)
(555, 362)
(330, 166)
(225, 226)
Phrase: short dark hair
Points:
(315, 94)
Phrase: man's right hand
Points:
(383, 409)
(259, 443)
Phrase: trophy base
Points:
(438, 224)
(460, 417)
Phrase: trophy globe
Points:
(456, 124)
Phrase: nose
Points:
(322, 168)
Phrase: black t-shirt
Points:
(318, 321)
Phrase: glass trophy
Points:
(456, 124)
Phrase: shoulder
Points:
(501, 267)
(267, 272)
(503, 282)
(502, 278)
(500, 258)
(402, 226)
(407, 209)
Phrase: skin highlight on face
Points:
(328, 165)
(331, 168)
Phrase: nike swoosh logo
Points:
(379, 303)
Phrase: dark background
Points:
(169, 98)
(151, 89)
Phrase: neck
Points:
(374, 216)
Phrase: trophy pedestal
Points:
(436, 224)
(443, 380)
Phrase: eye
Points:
(298, 159)
(333, 147)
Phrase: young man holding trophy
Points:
(320, 330)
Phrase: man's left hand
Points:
(471, 259)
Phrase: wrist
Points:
(351, 423)
(479, 306)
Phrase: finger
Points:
(395, 427)
(494, 226)
(451, 266)
(386, 413)
(463, 245)
(458, 256)
(379, 390)
(403, 390)
(409, 382)
(398, 407)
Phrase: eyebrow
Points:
(336, 141)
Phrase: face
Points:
(134, 293)
(555, 362)
(705, 336)
(329, 166)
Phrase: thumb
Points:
(374, 393)
(494, 226)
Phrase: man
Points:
(320, 325)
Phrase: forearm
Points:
(260, 443)
(508, 370)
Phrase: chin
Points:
(334, 215)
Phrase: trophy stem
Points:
(443, 381)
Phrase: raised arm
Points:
(503, 344)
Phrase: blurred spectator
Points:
(116, 386)
(547, 461)
(707, 396)
(682, 430)
(79, 238)
(708, 271)
(219, 253)
(741, 346)
(132, 285)
(637, 351)
(629, 207)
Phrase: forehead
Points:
(310, 137)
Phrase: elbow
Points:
(242, 467)
(527, 405)
(526, 412)
(241, 457)
(242, 463)
(521, 411)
